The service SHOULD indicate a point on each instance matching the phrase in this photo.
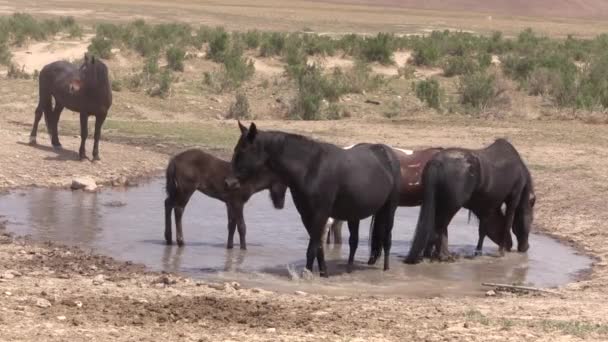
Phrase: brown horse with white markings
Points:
(411, 191)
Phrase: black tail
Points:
(426, 219)
(171, 188)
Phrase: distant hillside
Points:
(597, 9)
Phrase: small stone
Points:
(301, 293)
(7, 293)
(7, 275)
(235, 285)
(93, 268)
(491, 293)
(271, 330)
(84, 183)
(43, 303)
(466, 325)
(61, 318)
(98, 280)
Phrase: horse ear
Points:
(253, 131)
(242, 127)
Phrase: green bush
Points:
(425, 55)
(252, 39)
(459, 65)
(378, 49)
(236, 68)
(240, 108)
(307, 103)
(175, 58)
(5, 54)
(151, 65)
(100, 47)
(14, 72)
(479, 90)
(428, 91)
(218, 44)
(593, 90)
(162, 88)
(116, 85)
(272, 44)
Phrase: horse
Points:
(327, 181)
(85, 90)
(481, 181)
(410, 194)
(195, 169)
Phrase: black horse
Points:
(193, 170)
(327, 181)
(481, 181)
(85, 90)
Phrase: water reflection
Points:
(277, 243)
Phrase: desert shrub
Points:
(5, 54)
(336, 112)
(407, 72)
(354, 80)
(516, 67)
(162, 85)
(75, 32)
(218, 44)
(459, 65)
(350, 44)
(100, 47)
(593, 88)
(428, 91)
(252, 39)
(14, 72)
(236, 68)
(175, 58)
(393, 110)
(484, 60)
(295, 59)
(307, 103)
(240, 108)
(151, 65)
(377, 49)
(425, 54)
(272, 44)
(116, 85)
(541, 81)
(314, 44)
(479, 90)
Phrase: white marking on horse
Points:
(349, 147)
(408, 152)
(414, 165)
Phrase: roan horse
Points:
(481, 181)
(193, 170)
(327, 181)
(85, 90)
(410, 193)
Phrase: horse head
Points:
(277, 194)
(249, 156)
(524, 215)
(93, 73)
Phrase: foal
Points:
(193, 170)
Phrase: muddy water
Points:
(128, 225)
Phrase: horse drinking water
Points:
(481, 181)
(85, 90)
(327, 181)
(193, 170)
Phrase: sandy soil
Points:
(54, 293)
(37, 55)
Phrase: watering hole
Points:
(129, 224)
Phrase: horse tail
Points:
(370, 243)
(426, 219)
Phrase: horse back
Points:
(196, 169)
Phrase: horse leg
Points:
(55, 126)
(353, 241)
(99, 119)
(37, 117)
(84, 132)
(169, 204)
(315, 225)
(388, 237)
(482, 235)
(443, 254)
(336, 229)
(181, 200)
(231, 226)
(510, 217)
(242, 227)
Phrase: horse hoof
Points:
(243, 248)
(96, 158)
(180, 243)
(411, 261)
(229, 246)
(371, 261)
(57, 147)
(168, 242)
(323, 275)
(477, 253)
(33, 141)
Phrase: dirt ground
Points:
(50, 292)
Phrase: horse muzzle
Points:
(523, 247)
(232, 183)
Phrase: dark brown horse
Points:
(85, 90)
(411, 191)
(193, 170)
(482, 181)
